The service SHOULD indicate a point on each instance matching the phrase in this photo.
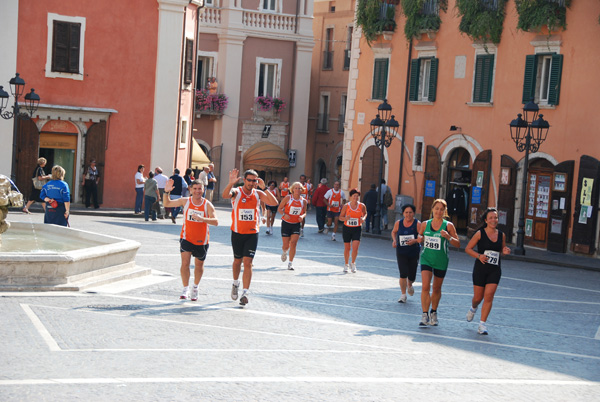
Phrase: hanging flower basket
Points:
(207, 103)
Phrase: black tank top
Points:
(485, 243)
(407, 231)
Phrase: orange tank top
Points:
(294, 209)
(304, 193)
(335, 201)
(246, 212)
(353, 216)
(284, 189)
(193, 231)
(274, 192)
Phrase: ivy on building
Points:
(422, 16)
(534, 14)
(481, 20)
(375, 17)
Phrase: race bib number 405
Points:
(434, 243)
(405, 239)
(493, 257)
(246, 215)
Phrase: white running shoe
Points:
(402, 299)
(333, 236)
(471, 314)
(185, 294)
(290, 266)
(284, 256)
(353, 267)
(234, 292)
(301, 232)
(268, 232)
(346, 268)
(433, 318)
(326, 230)
(482, 329)
(194, 293)
(424, 320)
(411, 290)
(244, 298)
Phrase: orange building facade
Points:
(454, 100)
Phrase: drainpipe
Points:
(194, 80)
(293, 86)
(404, 115)
(180, 87)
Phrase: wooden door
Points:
(537, 207)
(28, 148)
(370, 169)
(431, 184)
(95, 147)
(480, 187)
(584, 222)
(506, 196)
(560, 206)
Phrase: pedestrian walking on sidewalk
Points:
(435, 234)
(405, 240)
(293, 210)
(353, 215)
(245, 215)
(139, 189)
(491, 245)
(198, 213)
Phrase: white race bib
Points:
(353, 222)
(405, 239)
(193, 214)
(493, 257)
(433, 243)
(335, 204)
(295, 210)
(246, 215)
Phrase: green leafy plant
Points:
(419, 16)
(481, 20)
(369, 17)
(534, 14)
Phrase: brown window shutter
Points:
(60, 43)
(74, 40)
(189, 61)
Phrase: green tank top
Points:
(435, 247)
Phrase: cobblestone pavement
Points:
(313, 334)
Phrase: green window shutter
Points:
(433, 79)
(415, 71)
(484, 74)
(530, 75)
(555, 75)
(380, 73)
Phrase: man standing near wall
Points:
(318, 200)
(161, 181)
(212, 180)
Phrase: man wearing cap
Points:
(318, 200)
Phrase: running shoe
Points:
(234, 291)
(284, 256)
(333, 236)
(301, 232)
(290, 266)
(321, 230)
(326, 230)
(194, 294)
(424, 320)
(482, 329)
(411, 290)
(433, 319)
(184, 294)
(267, 232)
(402, 299)
(346, 268)
(471, 314)
(353, 267)
(244, 298)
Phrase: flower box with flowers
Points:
(268, 107)
(207, 103)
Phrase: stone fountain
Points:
(40, 257)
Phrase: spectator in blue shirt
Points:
(57, 197)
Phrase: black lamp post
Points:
(383, 127)
(528, 135)
(32, 100)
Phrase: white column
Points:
(299, 127)
(168, 76)
(9, 15)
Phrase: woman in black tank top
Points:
(491, 245)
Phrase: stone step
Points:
(97, 272)
(104, 279)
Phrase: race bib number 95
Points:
(433, 243)
(246, 215)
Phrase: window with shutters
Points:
(268, 77)
(188, 65)
(542, 78)
(483, 78)
(65, 47)
(423, 79)
(380, 79)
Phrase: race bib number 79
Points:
(246, 215)
(493, 257)
(433, 243)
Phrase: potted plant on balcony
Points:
(534, 14)
(422, 16)
(212, 104)
(268, 107)
(482, 21)
(376, 17)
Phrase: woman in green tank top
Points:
(435, 235)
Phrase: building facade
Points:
(259, 54)
(454, 98)
(113, 87)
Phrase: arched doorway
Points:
(370, 168)
(537, 202)
(458, 179)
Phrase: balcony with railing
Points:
(251, 20)
(347, 59)
(323, 123)
(328, 60)
(210, 104)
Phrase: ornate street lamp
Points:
(528, 137)
(383, 128)
(32, 100)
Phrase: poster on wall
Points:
(479, 178)
(583, 214)
(474, 215)
(556, 226)
(430, 188)
(528, 227)
(586, 191)
(505, 176)
(502, 217)
(476, 195)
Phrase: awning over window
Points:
(266, 156)
(199, 158)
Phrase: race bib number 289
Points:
(434, 243)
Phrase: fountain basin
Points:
(40, 257)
